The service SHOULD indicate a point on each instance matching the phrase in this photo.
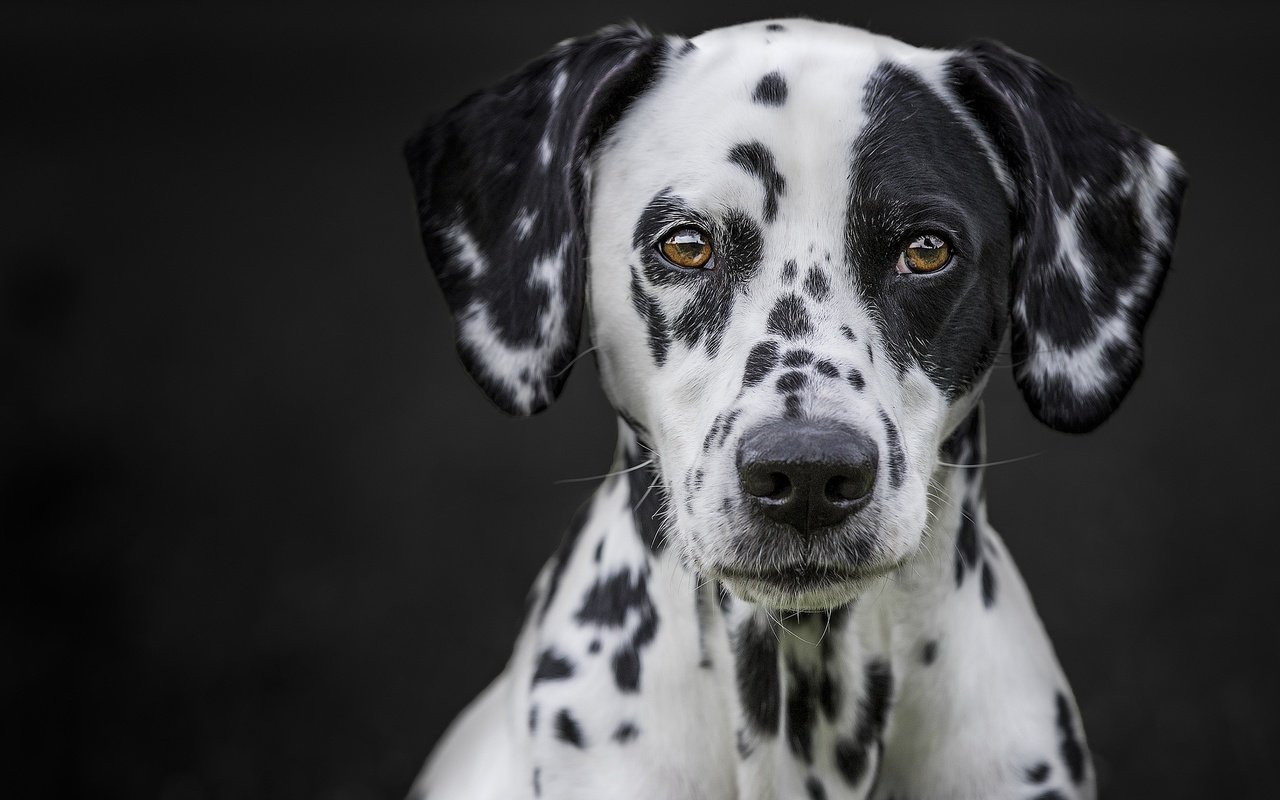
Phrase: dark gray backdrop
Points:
(261, 536)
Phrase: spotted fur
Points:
(682, 642)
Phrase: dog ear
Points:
(501, 183)
(1095, 210)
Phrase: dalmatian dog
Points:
(797, 248)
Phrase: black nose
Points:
(808, 474)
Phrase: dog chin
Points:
(803, 587)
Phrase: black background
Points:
(262, 537)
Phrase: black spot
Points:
(817, 284)
(814, 787)
(827, 369)
(988, 585)
(626, 669)
(800, 720)
(775, 27)
(1052, 794)
(647, 494)
(568, 730)
(757, 159)
(1072, 751)
(791, 382)
(533, 719)
(686, 49)
(756, 653)
(798, 358)
(743, 745)
(792, 407)
(789, 319)
(723, 598)
(789, 270)
(537, 781)
(1037, 773)
(625, 732)
(608, 603)
(760, 362)
(829, 694)
(897, 458)
(853, 753)
(856, 380)
(599, 551)
(848, 333)
(929, 653)
(771, 90)
(594, 646)
(655, 321)
(552, 667)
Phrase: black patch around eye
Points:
(791, 382)
(789, 318)
(760, 362)
(771, 90)
(826, 368)
(789, 270)
(1072, 751)
(756, 653)
(817, 284)
(568, 730)
(934, 176)
(897, 458)
(757, 159)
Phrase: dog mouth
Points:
(802, 585)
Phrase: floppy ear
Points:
(1095, 212)
(501, 182)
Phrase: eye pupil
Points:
(688, 247)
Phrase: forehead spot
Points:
(758, 160)
(798, 358)
(771, 90)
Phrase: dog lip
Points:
(805, 575)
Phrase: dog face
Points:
(799, 246)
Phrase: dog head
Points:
(799, 247)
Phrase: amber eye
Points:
(687, 247)
(928, 253)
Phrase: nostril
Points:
(845, 488)
(768, 485)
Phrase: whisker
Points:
(605, 475)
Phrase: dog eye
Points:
(689, 248)
(928, 253)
